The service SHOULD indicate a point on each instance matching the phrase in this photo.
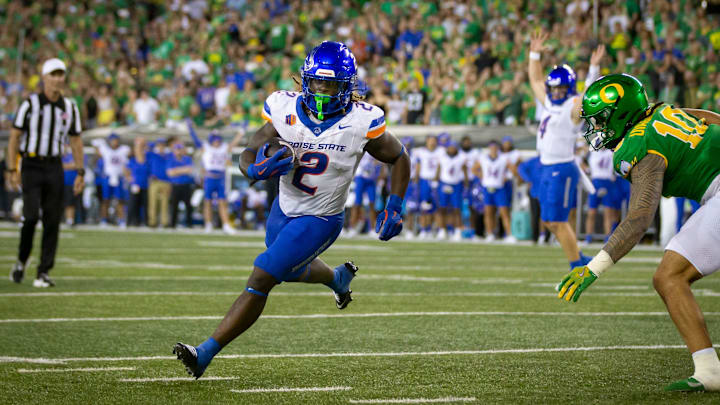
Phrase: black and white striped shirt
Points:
(45, 125)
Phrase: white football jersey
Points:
(114, 160)
(327, 152)
(429, 161)
(471, 157)
(369, 167)
(452, 168)
(513, 157)
(414, 162)
(601, 164)
(215, 159)
(557, 133)
(493, 170)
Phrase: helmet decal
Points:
(611, 98)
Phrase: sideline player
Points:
(428, 160)
(215, 158)
(368, 173)
(556, 142)
(115, 158)
(667, 151)
(492, 167)
(330, 130)
(607, 193)
(453, 178)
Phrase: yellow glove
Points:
(576, 282)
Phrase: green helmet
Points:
(611, 106)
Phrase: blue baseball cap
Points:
(443, 139)
(507, 138)
(408, 140)
(112, 136)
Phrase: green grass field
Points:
(460, 323)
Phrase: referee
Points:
(42, 123)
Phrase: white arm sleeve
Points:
(592, 75)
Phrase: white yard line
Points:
(259, 244)
(172, 379)
(412, 400)
(292, 389)
(698, 293)
(701, 292)
(366, 354)
(72, 370)
(349, 315)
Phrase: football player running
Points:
(329, 130)
(663, 151)
(556, 138)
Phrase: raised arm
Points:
(535, 71)
(592, 75)
(237, 139)
(193, 134)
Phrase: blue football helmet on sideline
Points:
(562, 75)
(330, 61)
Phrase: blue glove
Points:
(266, 167)
(389, 222)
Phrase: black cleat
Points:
(188, 355)
(17, 273)
(342, 300)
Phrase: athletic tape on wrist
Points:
(601, 262)
(534, 55)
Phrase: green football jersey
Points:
(691, 150)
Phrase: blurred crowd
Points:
(424, 62)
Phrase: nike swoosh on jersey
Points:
(344, 127)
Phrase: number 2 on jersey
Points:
(315, 164)
(684, 128)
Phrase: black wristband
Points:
(81, 171)
(10, 170)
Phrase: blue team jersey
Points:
(139, 172)
(183, 178)
(69, 175)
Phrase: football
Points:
(276, 144)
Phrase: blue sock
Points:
(207, 350)
(577, 263)
(588, 238)
(583, 260)
(450, 229)
(335, 284)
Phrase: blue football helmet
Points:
(330, 61)
(562, 75)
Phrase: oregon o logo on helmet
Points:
(606, 98)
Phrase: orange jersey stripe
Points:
(375, 132)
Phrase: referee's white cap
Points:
(52, 65)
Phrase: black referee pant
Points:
(181, 192)
(42, 188)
